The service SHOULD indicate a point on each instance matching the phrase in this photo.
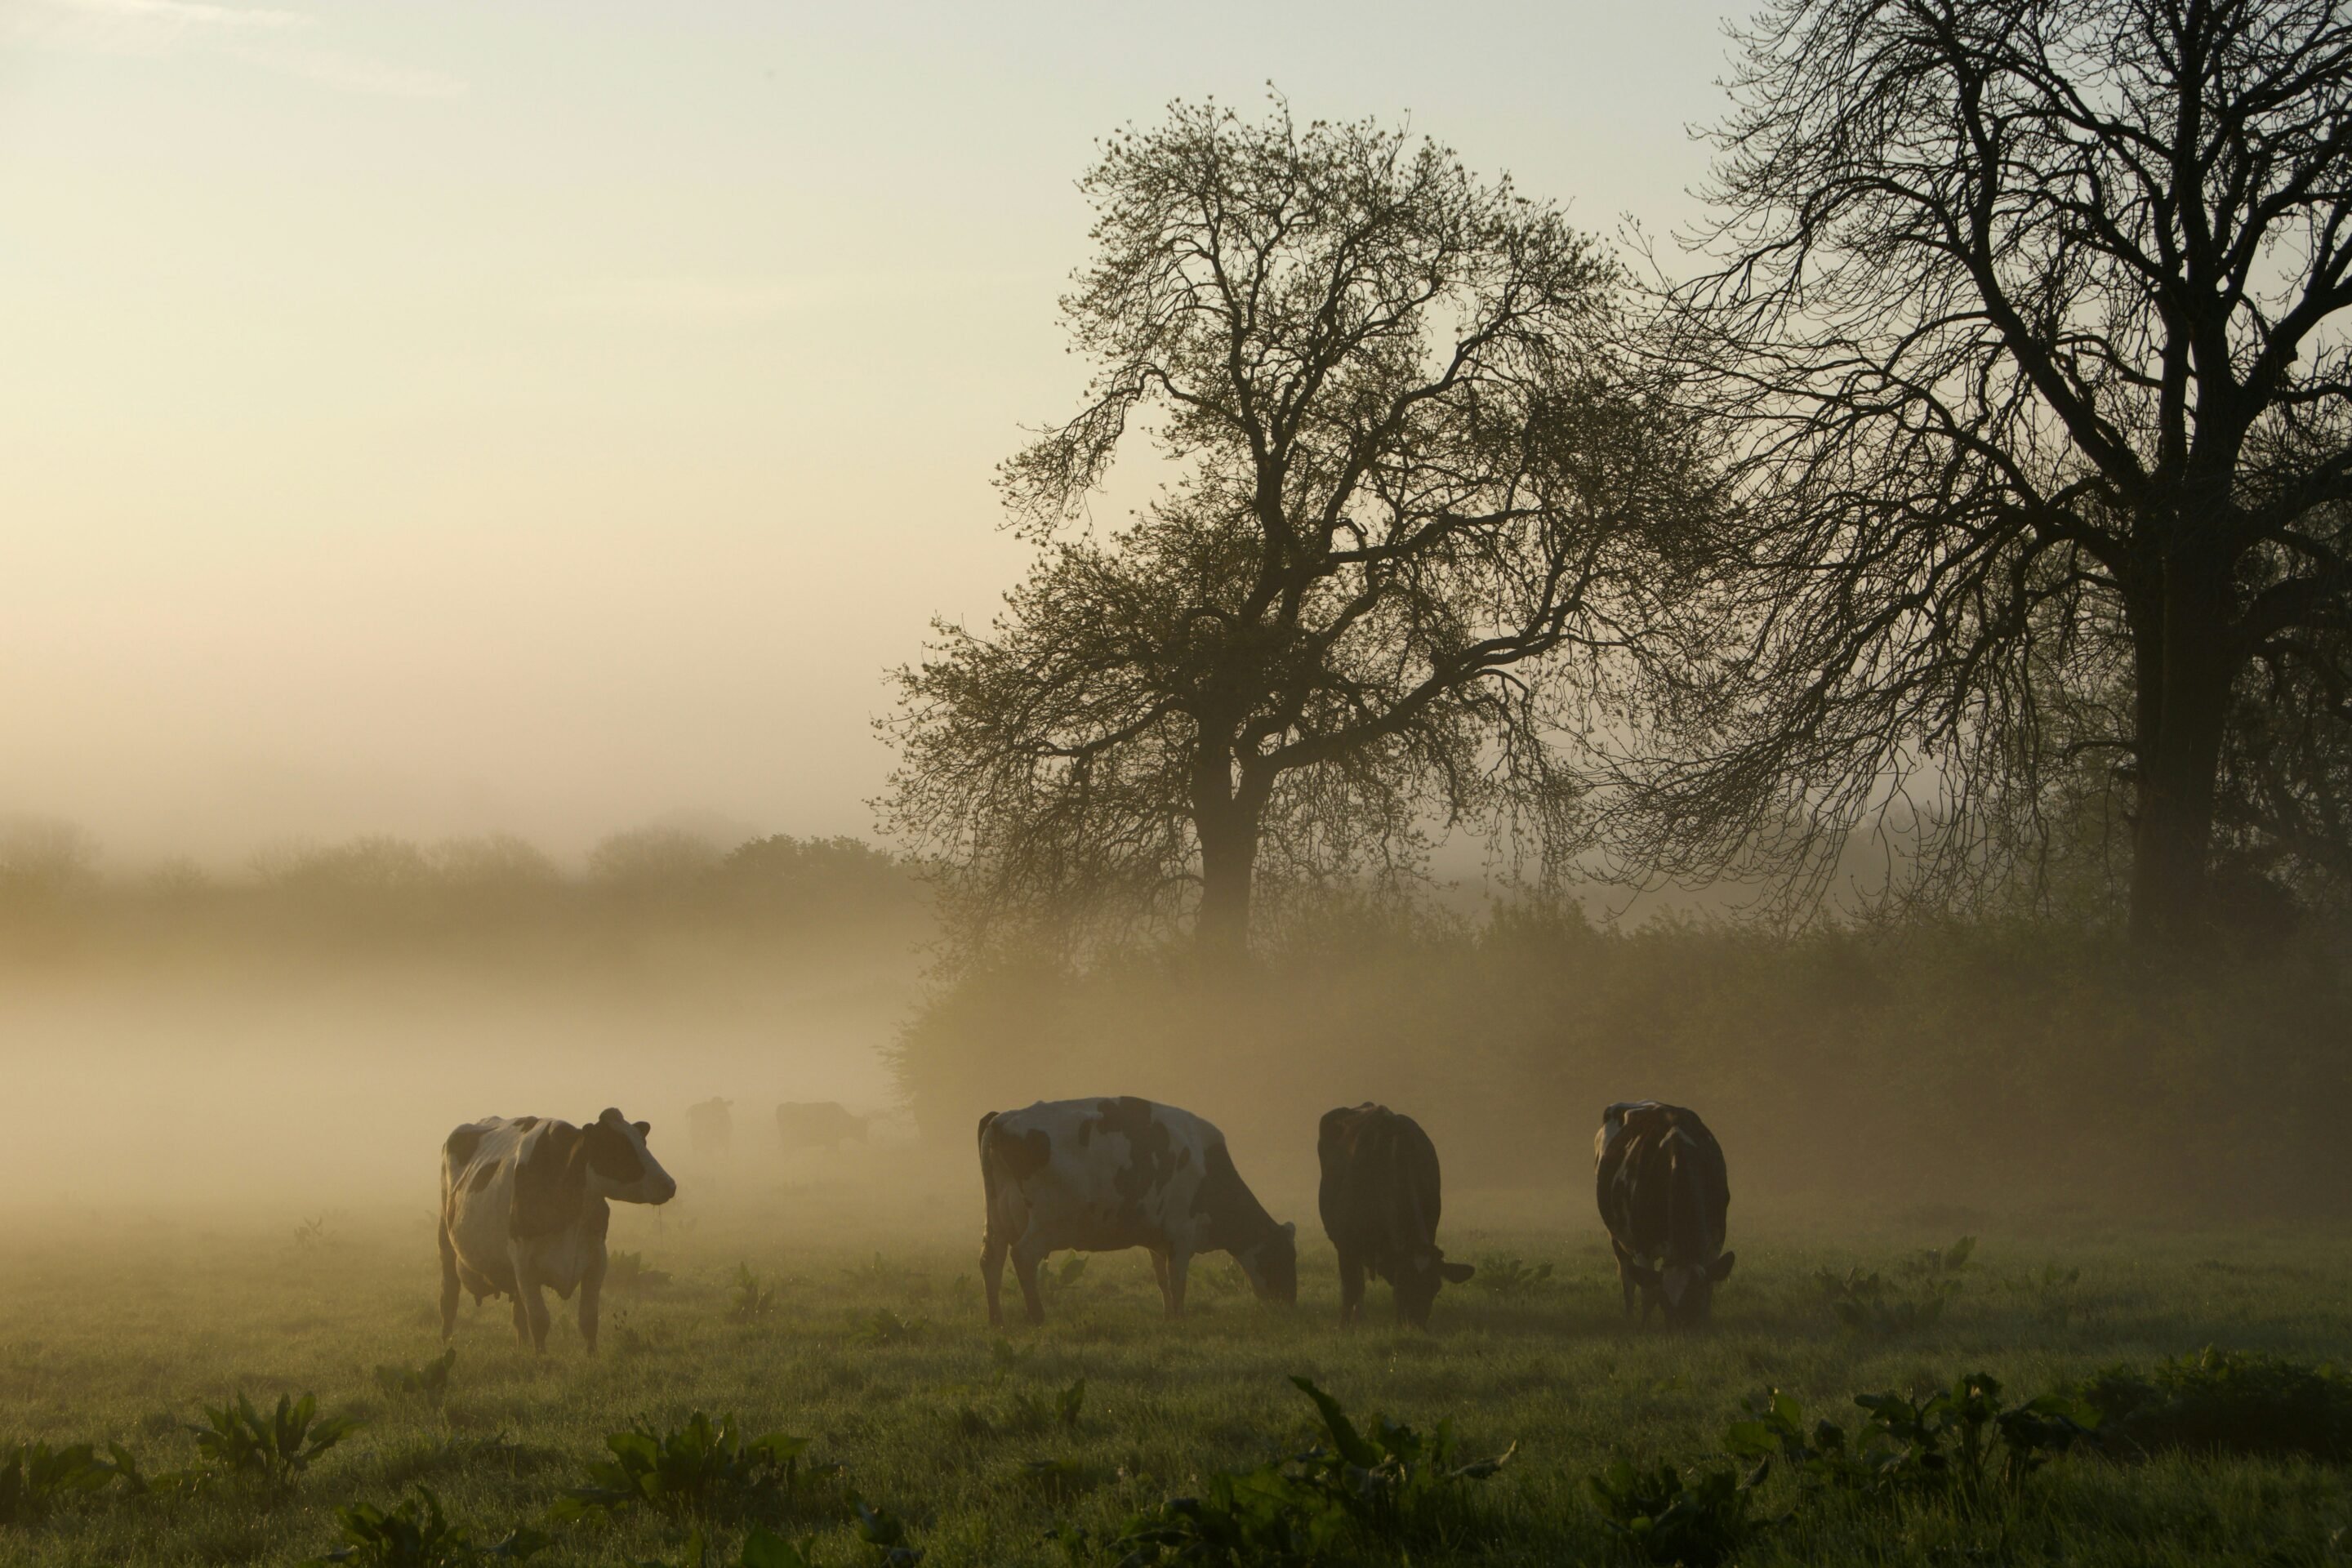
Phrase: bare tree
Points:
(2023, 314)
(1406, 483)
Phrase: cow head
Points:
(1685, 1290)
(620, 1166)
(1424, 1270)
(1272, 1265)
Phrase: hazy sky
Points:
(438, 415)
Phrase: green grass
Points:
(876, 1350)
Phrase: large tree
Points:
(1403, 484)
(2024, 315)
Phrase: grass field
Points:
(876, 1350)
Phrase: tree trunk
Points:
(1226, 816)
(2182, 648)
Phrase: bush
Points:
(748, 1299)
(704, 1468)
(237, 1442)
(35, 1477)
(417, 1534)
(1666, 1515)
(1396, 1487)
(429, 1383)
(1500, 1273)
(2225, 1401)
(1866, 1304)
(1955, 1442)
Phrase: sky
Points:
(444, 417)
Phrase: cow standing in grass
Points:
(524, 1205)
(1664, 1192)
(1101, 1176)
(1379, 1200)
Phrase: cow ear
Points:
(1455, 1273)
(643, 1128)
(1290, 1230)
(1720, 1269)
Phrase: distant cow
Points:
(1104, 1174)
(818, 1124)
(1380, 1204)
(523, 1203)
(1664, 1193)
(709, 1130)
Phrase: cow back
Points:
(1661, 1184)
(1381, 1190)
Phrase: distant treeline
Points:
(496, 896)
(1941, 1063)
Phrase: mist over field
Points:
(1308, 787)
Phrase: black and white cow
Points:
(1659, 1175)
(1379, 1205)
(817, 1124)
(1104, 1174)
(523, 1205)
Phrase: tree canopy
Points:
(1409, 487)
(2023, 320)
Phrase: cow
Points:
(817, 1124)
(710, 1129)
(1379, 1200)
(523, 1205)
(1659, 1175)
(1101, 1176)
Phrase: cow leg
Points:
(991, 1275)
(449, 1287)
(591, 1292)
(1352, 1287)
(1160, 1271)
(531, 1317)
(1625, 1277)
(522, 1322)
(1027, 1253)
(1180, 1264)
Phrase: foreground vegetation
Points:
(850, 1405)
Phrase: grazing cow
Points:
(1104, 1174)
(1660, 1178)
(709, 1130)
(523, 1205)
(1379, 1202)
(818, 1124)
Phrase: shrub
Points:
(236, 1441)
(1390, 1481)
(702, 1467)
(1256, 1517)
(1394, 1486)
(1501, 1274)
(428, 1382)
(761, 1548)
(1663, 1515)
(1954, 1441)
(748, 1299)
(1866, 1303)
(2225, 1401)
(1037, 1411)
(35, 1477)
(417, 1534)
(885, 1535)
